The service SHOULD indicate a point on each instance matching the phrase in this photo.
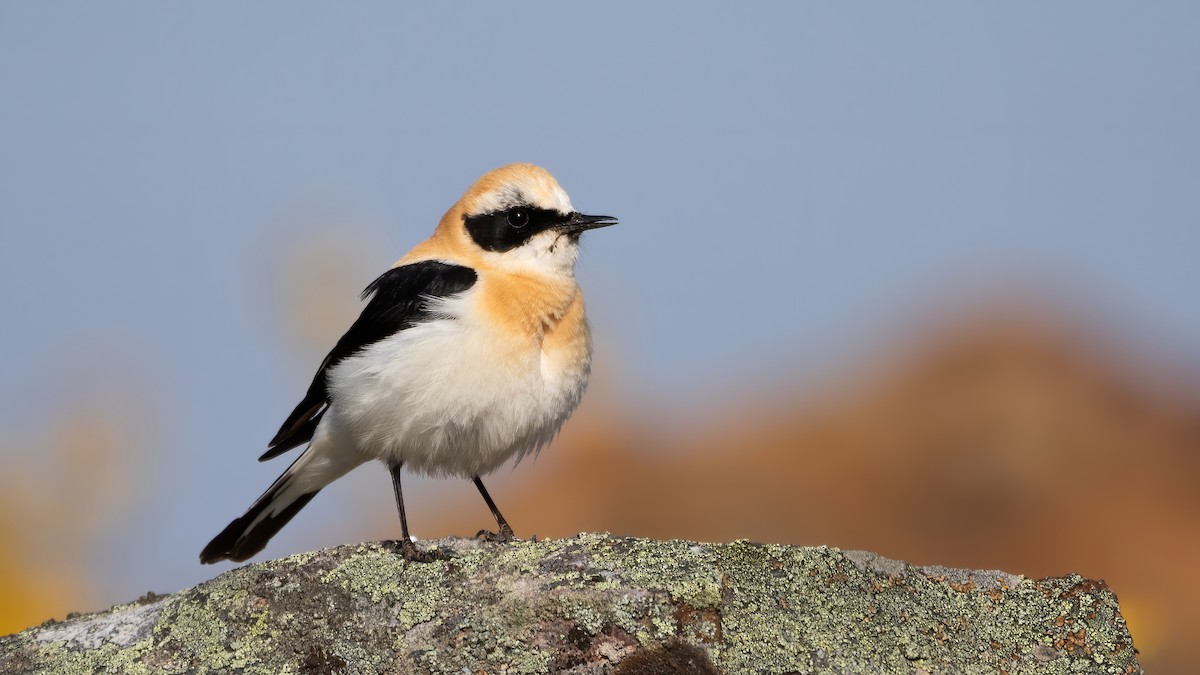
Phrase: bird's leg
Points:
(506, 533)
(407, 547)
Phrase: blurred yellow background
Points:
(913, 278)
(1016, 433)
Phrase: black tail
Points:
(243, 537)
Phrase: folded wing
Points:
(398, 301)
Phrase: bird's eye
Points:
(518, 218)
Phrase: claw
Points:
(505, 535)
(411, 553)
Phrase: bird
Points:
(472, 350)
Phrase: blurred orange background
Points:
(913, 278)
(1004, 433)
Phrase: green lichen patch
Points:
(585, 604)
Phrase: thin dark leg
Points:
(506, 532)
(395, 471)
(407, 547)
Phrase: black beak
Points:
(577, 222)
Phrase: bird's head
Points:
(519, 218)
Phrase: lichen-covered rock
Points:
(586, 604)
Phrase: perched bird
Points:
(472, 351)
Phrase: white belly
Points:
(452, 397)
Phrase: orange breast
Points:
(532, 308)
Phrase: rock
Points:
(595, 604)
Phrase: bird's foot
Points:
(411, 553)
(504, 536)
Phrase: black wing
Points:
(398, 303)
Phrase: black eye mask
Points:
(512, 227)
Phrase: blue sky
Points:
(789, 177)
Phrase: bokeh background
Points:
(918, 279)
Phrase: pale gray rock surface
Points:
(595, 604)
